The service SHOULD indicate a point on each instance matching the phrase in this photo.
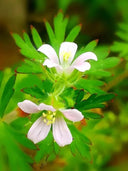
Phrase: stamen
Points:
(54, 113)
(49, 117)
(44, 114)
(45, 120)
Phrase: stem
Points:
(116, 81)
(10, 117)
(59, 90)
(47, 74)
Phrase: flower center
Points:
(49, 118)
(66, 56)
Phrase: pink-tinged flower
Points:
(65, 63)
(50, 116)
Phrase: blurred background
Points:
(99, 20)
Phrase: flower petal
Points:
(61, 132)
(38, 131)
(49, 52)
(49, 63)
(68, 48)
(28, 107)
(82, 67)
(43, 106)
(59, 69)
(72, 114)
(83, 57)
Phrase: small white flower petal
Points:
(83, 57)
(61, 132)
(69, 69)
(67, 48)
(28, 107)
(82, 67)
(49, 52)
(59, 69)
(43, 106)
(72, 114)
(38, 131)
(49, 63)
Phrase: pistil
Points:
(66, 56)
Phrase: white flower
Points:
(65, 61)
(41, 127)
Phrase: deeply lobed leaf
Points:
(7, 94)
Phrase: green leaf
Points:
(98, 68)
(94, 101)
(110, 62)
(19, 123)
(104, 98)
(27, 40)
(89, 47)
(78, 134)
(30, 67)
(31, 53)
(121, 45)
(47, 86)
(19, 41)
(24, 80)
(58, 35)
(91, 115)
(22, 139)
(68, 96)
(73, 34)
(46, 148)
(60, 27)
(122, 35)
(102, 52)
(26, 47)
(36, 37)
(80, 96)
(51, 34)
(80, 144)
(7, 94)
(91, 86)
(35, 92)
(15, 159)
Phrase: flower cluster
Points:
(65, 63)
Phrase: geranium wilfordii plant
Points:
(41, 127)
(62, 85)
